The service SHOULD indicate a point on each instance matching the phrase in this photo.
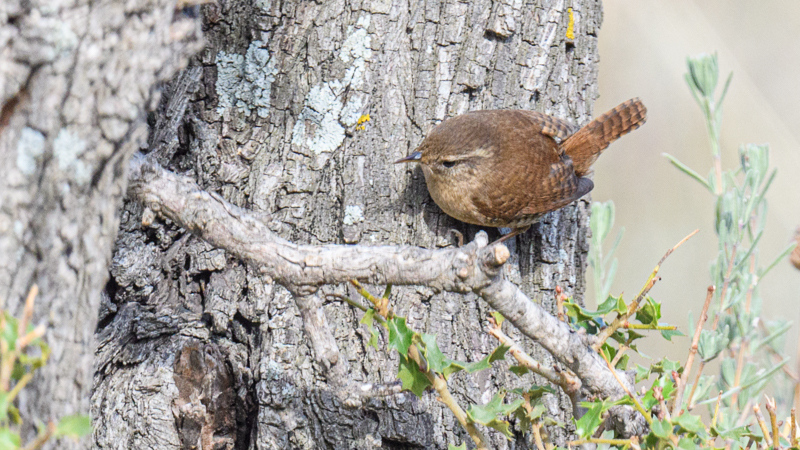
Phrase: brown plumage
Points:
(507, 168)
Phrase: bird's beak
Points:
(414, 157)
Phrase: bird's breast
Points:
(455, 195)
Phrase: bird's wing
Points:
(557, 190)
(551, 126)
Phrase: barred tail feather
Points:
(587, 143)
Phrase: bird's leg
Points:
(459, 236)
(513, 233)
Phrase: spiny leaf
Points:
(436, 359)
(412, 378)
(498, 318)
(692, 424)
(669, 334)
(586, 425)
(485, 363)
(488, 413)
(661, 428)
(400, 337)
(369, 320)
(650, 312)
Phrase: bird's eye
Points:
(449, 164)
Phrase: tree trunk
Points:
(75, 78)
(196, 348)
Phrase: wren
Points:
(507, 168)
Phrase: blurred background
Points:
(643, 50)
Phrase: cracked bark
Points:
(272, 126)
(266, 117)
(71, 117)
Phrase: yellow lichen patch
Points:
(361, 121)
(571, 25)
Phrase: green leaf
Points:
(460, 447)
(369, 320)
(525, 419)
(9, 333)
(498, 318)
(535, 392)
(692, 424)
(519, 370)
(703, 73)
(669, 334)
(712, 343)
(733, 433)
(436, 360)
(602, 219)
(9, 440)
(412, 378)
(778, 259)
(661, 428)
(485, 363)
(687, 170)
(650, 312)
(75, 426)
(586, 425)
(642, 373)
(487, 414)
(400, 337)
(666, 366)
(611, 304)
(687, 444)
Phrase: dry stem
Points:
(762, 424)
(621, 319)
(676, 406)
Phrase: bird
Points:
(508, 168)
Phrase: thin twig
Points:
(620, 353)
(439, 384)
(793, 436)
(773, 418)
(762, 424)
(621, 319)
(635, 401)
(27, 311)
(537, 436)
(676, 406)
(737, 377)
(565, 379)
(716, 410)
(42, 438)
(641, 326)
(560, 297)
(578, 442)
(690, 403)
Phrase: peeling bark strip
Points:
(297, 110)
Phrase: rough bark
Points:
(75, 80)
(197, 348)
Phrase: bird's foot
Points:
(459, 236)
(514, 232)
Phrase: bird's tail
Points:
(587, 143)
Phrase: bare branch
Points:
(475, 267)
